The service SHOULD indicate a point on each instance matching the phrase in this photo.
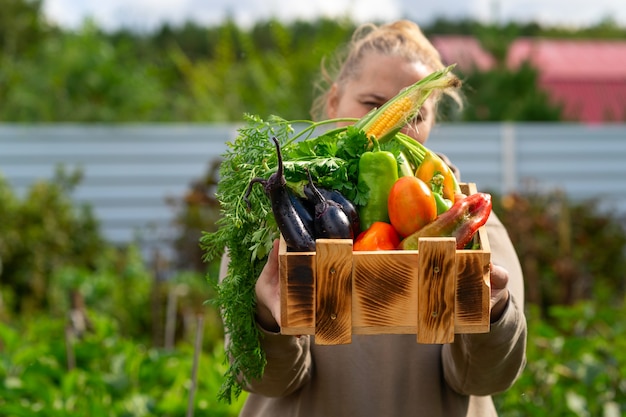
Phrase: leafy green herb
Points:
(248, 234)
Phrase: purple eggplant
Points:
(330, 220)
(292, 227)
(337, 197)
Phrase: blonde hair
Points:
(401, 38)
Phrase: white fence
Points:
(131, 170)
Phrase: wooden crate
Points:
(433, 292)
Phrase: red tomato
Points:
(411, 205)
(379, 236)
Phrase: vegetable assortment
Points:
(357, 181)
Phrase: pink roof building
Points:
(465, 51)
(588, 78)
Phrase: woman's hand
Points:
(268, 293)
(499, 278)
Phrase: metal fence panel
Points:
(586, 161)
(131, 170)
(128, 171)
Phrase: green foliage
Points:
(576, 363)
(111, 376)
(569, 251)
(117, 278)
(197, 212)
(84, 347)
(41, 233)
(197, 74)
(504, 95)
(238, 230)
(21, 26)
(80, 77)
(53, 259)
(267, 70)
(573, 256)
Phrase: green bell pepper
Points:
(378, 171)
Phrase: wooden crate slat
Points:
(297, 286)
(436, 290)
(382, 286)
(333, 303)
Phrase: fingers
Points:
(270, 270)
(499, 278)
(275, 306)
(268, 293)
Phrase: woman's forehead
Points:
(389, 73)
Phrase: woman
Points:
(390, 375)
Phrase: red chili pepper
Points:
(380, 236)
(461, 221)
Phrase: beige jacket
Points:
(392, 375)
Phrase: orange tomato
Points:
(379, 236)
(411, 205)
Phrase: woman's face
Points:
(379, 79)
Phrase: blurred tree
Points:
(195, 40)
(503, 95)
(203, 74)
(80, 77)
(443, 26)
(267, 70)
(22, 26)
(41, 233)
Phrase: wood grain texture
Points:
(473, 304)
(333, 303)
(472, 308)
(436, 290)
(297, 288)
(385, 293)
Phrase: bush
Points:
(197, 212)
(573, 256)
(54, 260)
(40, 234)
(84, 321)
(570, 251)
(46, 372)
(576, 362)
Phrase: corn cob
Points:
(384, 122)
(393, 116)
